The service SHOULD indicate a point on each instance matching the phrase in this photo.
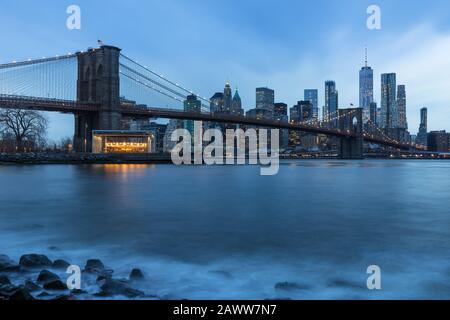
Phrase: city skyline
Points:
(287, 67)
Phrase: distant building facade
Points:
(158, 131)
(438, 141)
(301, 112)
(191, 104)
(331, 103)
(388, 100)
(227, 99)
(281, 114)
(216, 103)
(312, 95)
(365, 89)
(422, 135)
(265, 99)
(236, 105)
(173, 125)
(402, 122)
(373, 113)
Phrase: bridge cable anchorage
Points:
(168, 80)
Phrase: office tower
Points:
(216, 102)
(301, 112)
(191, 104)
(312, 95)
(171, 127)
(422, 136)
(438, 141)
(236, 105)
(389, 116)
(281, 114)
(158, 131)
(373, 113)
(401, 107)
(424, 118)
(378, 116)
(331, 101)
(227, 99)
(365, 89)
(260, 114)
(265, 99)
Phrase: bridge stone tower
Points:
(98, 82)
(351, 120)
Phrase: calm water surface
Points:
(227, 232)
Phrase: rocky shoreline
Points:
(36, 277)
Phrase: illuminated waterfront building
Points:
(122, 142)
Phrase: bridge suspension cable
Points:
(49, 78)
(150, 87)
(15, 64)
(140, 75)
(384, 135)
(146, 81)
(160, 76)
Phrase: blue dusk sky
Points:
(285, 45)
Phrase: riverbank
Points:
(36, 277)
(82, 158)
(89, 158)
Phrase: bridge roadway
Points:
(70, 106)
(220, 118)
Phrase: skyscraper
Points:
(365, 89)
(227, 98)
(331, 103)
(402, 122)
(216, 102)
(265, 99)
(236, 105)
(191, 104)
(312, 95)
(388, 101)
(373, 113)
(422, 136)
(424, 118)
(302, 111)
(438, 141)
(281, 114)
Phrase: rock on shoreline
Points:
(35, 278)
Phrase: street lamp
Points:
(85, 137)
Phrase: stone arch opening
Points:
(355, 124)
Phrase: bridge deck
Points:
(68, 106)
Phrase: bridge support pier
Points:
(82, 140)
(350, 120)
(98, 82)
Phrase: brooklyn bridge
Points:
(91, 84)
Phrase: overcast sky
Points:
(285, 45)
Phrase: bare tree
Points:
(26, 126)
